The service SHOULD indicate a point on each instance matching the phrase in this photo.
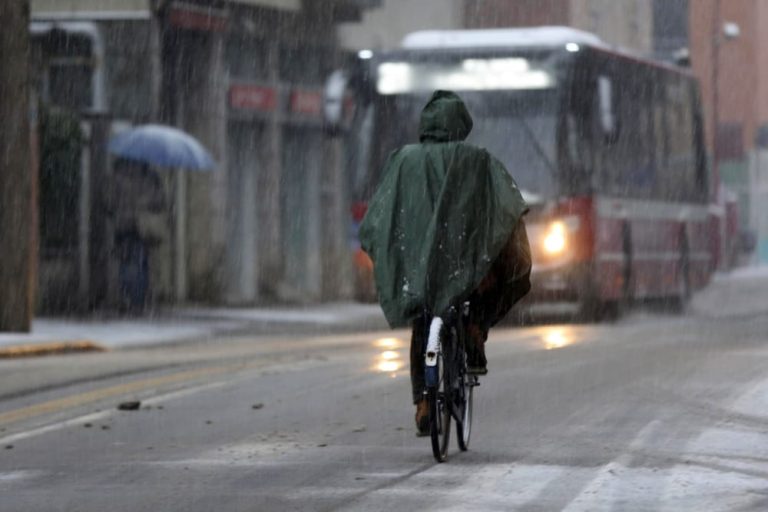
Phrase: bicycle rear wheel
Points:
(464, 412)
(440, 413)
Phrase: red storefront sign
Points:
(252, 97)
(306, 102)
(193, 17)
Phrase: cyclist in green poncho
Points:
(445, 226)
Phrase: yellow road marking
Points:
(42, 349)
(120, 389)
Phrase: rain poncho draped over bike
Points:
(441, 215)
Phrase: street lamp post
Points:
(720, 31)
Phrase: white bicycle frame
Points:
(433, 342)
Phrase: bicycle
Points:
(448, 384)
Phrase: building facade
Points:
(245, 78)
(729, 54)
(383, 27)
(670, 29)
(628, 23)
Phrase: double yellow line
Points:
(88, 397)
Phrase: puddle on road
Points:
(557, 337)
(8, 477)
(390, 358)
(544, 337)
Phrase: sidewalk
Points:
(740, 292)
(54, 335)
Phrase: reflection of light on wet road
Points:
(388, 343)
(557, 337)
(389, 359)
(389, 366)
(545, 337)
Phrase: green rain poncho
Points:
(441, 215)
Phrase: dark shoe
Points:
(477, 364)
(422, 418)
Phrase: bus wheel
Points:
(615, 309)
(628, 279)
(588, 310)
(683, 281)
(592, 309)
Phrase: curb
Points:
(21, 348)
(50, 348)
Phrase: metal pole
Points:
(180, 235)
(180, 202)
(716, 41)
(715, 93)
(84, 221)
(272, 223)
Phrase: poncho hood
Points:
(444, 119)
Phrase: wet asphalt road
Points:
(654, 412)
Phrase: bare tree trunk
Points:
(16, 205)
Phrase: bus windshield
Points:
(521, 133)
(517, 127)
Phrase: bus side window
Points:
(700, 155)
(680, 177)
(359, 157)
(617, 149)
(606, 108)
(578, 156)
(606, 113)
(577, 147)
(646, 144)
(635, 173)
(660, 133)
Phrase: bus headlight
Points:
(555, 238)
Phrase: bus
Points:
(606, 147)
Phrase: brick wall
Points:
(742, 80)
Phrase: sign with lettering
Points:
(253, 97)
(306, 102)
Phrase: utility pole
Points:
(716, 40)
(17, 208)
(721, 33)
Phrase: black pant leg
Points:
(418, 335)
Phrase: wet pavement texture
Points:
(654, 412)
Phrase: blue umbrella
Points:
(162, 146)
